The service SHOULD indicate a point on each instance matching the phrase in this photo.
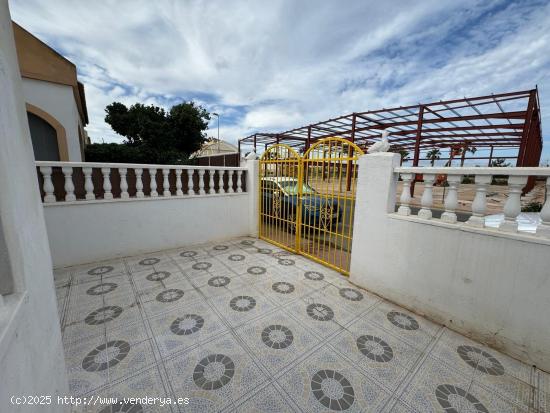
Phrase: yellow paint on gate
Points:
(306, 203)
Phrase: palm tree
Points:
(404, 155)
(433, 155)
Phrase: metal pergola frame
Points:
(506, 123)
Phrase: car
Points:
(280, 201)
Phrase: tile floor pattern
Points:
(244, 326)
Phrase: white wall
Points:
(31, 355)
(493, 287)
(83, 232)
(58, 101)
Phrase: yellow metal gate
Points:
(307, 202)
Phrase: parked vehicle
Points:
(280, 200)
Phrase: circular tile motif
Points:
(101, 289)
(188, 254)
(149, 261)
(264, 251)
(201, 266)
(221, 247)
(104, 269)
(103, 315)
(404, 321)
(277, 336)
(480, 360)
(351, 294)
(320, 312)
(188, 324)
(256, 270)
(213, 372)
(218, 281)
(168, 296)
(247, 242)
(158, 276)
(236, 257)
(242, 303)
(451, 398)
(314, 276)
(332, 389)
(285, 261)
(114, 351)
(283, 287)
(122, 407)
(375, 348)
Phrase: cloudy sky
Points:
(273, 65)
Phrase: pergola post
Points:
(526, 128)
(350, 164)
(417, 143)
(490, 156)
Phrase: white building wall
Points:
(31, 354)
(86, 232)
(58, 101)
(493, 287)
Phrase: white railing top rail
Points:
(132, 165)
(475, 170)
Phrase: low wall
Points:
(83, 232)
(492, 286)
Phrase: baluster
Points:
(107, 183)
(69, 186)
(139, 183)
(405, 199)
(88, 184)
(512, 207)
(165, 183)
(239, 183)
(211, 181)
(201, 182)
(427, 197)
(544, 229)
(153, 176)
(48, 184)
(179, 192)
(230, 181)
(451, 200)
(123, 183)
(480, 202)
(190, 190)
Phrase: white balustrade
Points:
(230, 182)
(190, 190)
(405, 199)
(153, 184)
(544, 229)
(69, 186)
(107, 183)
(239, 181)
(48, 185)
(512, 207)
(123, 183)
(139, 183)
(165, 183)
(179, 185)
(479, 204)
(201, 182)
(88, 184)
(451, 200)
(427, 197)
(211, 181)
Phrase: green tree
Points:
(152, 135)
(433, 155)
(500, 163)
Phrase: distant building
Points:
(216, 152)
(55, 100)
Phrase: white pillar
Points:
(48, 184)
(107, 183)
(153, 176)
(405, 199)
(544, 228)
(230, 181)
(480, 202)
(165, 183)
(451, 200)
(190, 189)
(239, 179)
(179, 192)
(201, 182)
(88, 184)
(512, 207)
(69, 186)
(211, 181)
(139, 183)
(252, 184)
(427, 197)
(123, 183)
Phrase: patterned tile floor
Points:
(244, 326)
